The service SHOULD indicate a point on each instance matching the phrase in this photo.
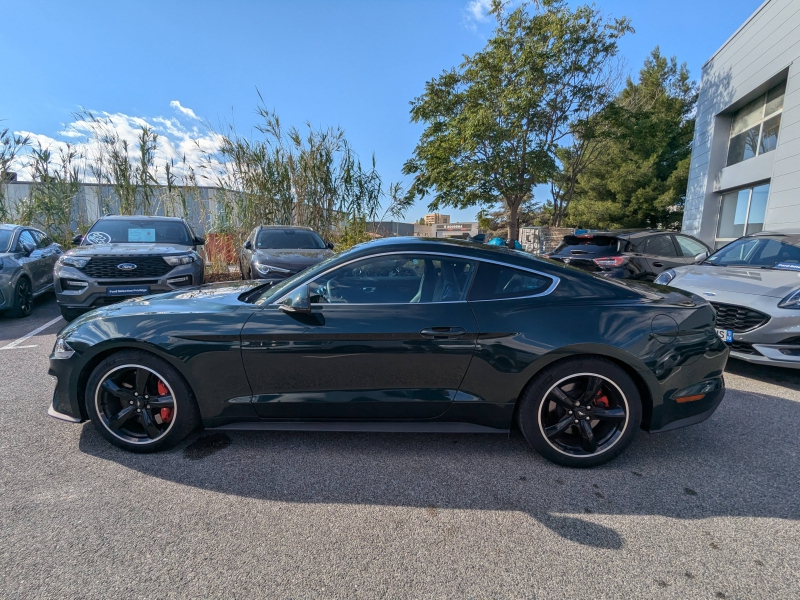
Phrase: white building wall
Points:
(764, 51)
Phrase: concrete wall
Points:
(93, 201)
(764, 51)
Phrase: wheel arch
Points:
(606, 353)
(88, 368)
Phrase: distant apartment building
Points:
(436, 219)
(745, 168)
(447, 230)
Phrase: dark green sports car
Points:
(400, 334)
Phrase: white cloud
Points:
(477, 10)
(186, 111)
(194, 145)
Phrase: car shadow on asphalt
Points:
(741, 462)
(789, 378)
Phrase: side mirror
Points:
(77, 239)
(701, 257)
(28, 248)
(198, 241)
(248, 245)
(298, 302)
(329, 245)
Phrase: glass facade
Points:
(741, 213)
(755, 127)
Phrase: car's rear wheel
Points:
(580, 412)
(22, 301)
(140, 402)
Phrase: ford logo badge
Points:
(126, 266)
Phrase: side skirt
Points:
(358, 426)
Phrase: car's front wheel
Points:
(140, 402)
(580, 412)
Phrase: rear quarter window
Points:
(496, 282)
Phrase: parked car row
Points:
(753, 283)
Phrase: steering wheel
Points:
(330, 287)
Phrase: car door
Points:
(389, 337)
(661, 253)
(33, 263)
(50, 253)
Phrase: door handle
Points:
(658, 264)
(443, 332)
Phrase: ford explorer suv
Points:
(125, 256)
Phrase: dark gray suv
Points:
(275, 252)
(125, 256)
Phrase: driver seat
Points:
(427, 283)
(447, 287)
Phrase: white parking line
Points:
(15, 345)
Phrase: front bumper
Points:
(95, 293)
(776, 343)
(65, 404)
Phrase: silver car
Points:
(122, 257)
(27, 256)
(754, 285)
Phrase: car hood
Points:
(204, 299)
(296, 260)
(706, 280)
(128, 249)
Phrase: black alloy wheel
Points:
(139, 402)
(23, 299)
(581, 412)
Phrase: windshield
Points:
(289, 239)
(5, 239)
(138, 231)
(277, 290)
(767, 252)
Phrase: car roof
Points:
(793, 235)
(626, 233)
(285, 227)
(153, 217)
(9, 226)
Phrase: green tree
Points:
(639, 179)
(494, 124)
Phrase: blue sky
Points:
(355, 64)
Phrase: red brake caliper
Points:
(599, 400)
(166, 413)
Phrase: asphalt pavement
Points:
(710, 511)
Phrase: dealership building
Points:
(745, 169)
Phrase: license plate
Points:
(725, 334)
(128, 290)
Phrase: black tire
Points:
(70, 314)
(559, 423)
(123, 409)
(22, 304)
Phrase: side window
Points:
(689, 247)
(495, 282)
(660, 245)
(42, 241)
(26, 237)
(395, 279)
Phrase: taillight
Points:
(610, 261)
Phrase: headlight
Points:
(62, 349)
(666, 277)
(73, 261)
(267, 269)
(791, 301)
(174, 261)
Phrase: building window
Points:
(741, 213)
(755, 127)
